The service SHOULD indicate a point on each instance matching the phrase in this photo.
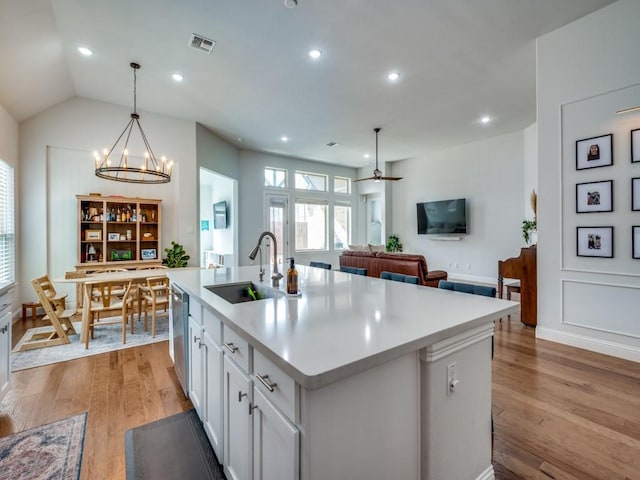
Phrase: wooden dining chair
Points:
(103, 300)
(154, 295)
(61, 326)
(59, 301)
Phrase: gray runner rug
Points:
(175, 447)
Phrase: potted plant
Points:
(393, 244)
(176, 256)
(530, 227)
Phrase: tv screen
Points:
(220, 215)
(441, 217)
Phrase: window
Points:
(275, 177)
(311, 181)
(342, 185)
(311, 225)
(341, 226)
(7, 230)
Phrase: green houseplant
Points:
(531, 226)
(528, 227)
(393, 244)
(176, 256)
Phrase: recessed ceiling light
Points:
(315, 54)
(366, 155)
(284, 138)
(85, 51)
(393, 76)
(177, 77)
(240, 139)
(485, 119)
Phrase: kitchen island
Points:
(356, 377)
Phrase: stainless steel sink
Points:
(241, 292)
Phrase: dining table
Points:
(83, 302)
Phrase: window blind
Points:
(7, 225)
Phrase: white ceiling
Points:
(458, 60)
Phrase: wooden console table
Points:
(524, 268)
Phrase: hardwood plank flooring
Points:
(120, 390)
(559, 412)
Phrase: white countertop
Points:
(342, 323)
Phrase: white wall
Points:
(530, 167)
(490, 175)
(586, 71)
(216, 188)
(80, 125)
(9, 153)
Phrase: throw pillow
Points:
(359, 248)
(377, 248)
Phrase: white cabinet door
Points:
(195, 365)
(213, 368)
(275, 442)
(237, 425)
(5, 353)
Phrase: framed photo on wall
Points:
(635, 145)
(635, 194)
(594, 152)
(594, 197)
(594, 242)
(635, 241)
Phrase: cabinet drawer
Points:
(267, 374)
(213, 326)
(195, 310)
(235, 347)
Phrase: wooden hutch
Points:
(122, 232)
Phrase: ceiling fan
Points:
(377, 174)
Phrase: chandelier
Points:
(149, 171)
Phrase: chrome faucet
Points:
(275, 278)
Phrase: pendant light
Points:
(149, 171)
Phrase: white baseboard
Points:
(589, 343)
(488, 474)
(472, 278)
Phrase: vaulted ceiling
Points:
(457, 59)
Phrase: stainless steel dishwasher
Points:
(180, 324)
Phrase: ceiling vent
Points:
(201, 43)
(332, 144)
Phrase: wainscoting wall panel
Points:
(600, 306)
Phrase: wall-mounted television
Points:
(220, 215)
(442, 217)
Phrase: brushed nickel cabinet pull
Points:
(231, 347)
(264, 379)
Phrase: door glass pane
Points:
(341, 226)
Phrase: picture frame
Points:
(635, 241)
(594, 152)
(635, 145)
(594, 242)
(148, 254)
(113, 236)
(635, 194)
(594, 197)
(120, 254)
(93, 235)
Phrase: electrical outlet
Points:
(452, 378)
(456, 265)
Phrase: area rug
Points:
(107, 338)
(175, 447)
(52, 451)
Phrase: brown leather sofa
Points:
(376, 262)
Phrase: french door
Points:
(277, 222)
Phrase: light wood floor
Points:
(559, 412)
